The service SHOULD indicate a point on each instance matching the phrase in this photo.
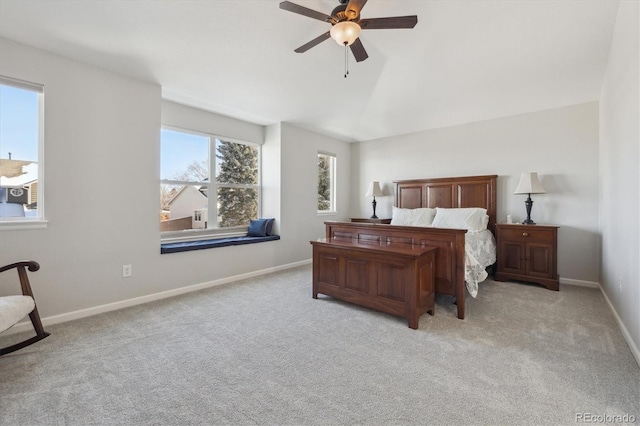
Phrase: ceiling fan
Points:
(346, 25)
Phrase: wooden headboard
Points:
(452, 192)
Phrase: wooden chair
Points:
(14, 308)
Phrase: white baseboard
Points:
(632, 345)
(625, 333)
(579, 283)
(82, 313)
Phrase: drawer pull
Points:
(525, 234)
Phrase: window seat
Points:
(219, 242)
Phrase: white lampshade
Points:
(345, 32)
(374, 190)
(529, 184)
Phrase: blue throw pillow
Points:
(270, 226)
(257, 228)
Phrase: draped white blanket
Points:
(479, 252)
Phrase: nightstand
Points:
(369, 220)
(527, 253)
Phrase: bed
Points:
(462, 257)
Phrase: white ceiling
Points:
(466, 60)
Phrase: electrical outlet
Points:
(619, 284)
(127, 271)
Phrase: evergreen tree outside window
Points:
(237, 180)
(326, 183)
(207, 184)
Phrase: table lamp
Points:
(529, 184)
(375, 191)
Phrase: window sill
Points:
(327, 213)
(21, 225)
(166, 248)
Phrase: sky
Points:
(178, 150)
(18, 123)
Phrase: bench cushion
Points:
(219, 242)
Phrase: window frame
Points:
(212, 188)
(333, 166)
(39, 221)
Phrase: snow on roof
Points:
(17, 172)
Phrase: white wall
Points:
(188, 118)
(560, 144)
(290, 183)
(102, 169)
(271, 175)
(300, 221)
(619, 177)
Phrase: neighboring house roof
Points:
(12, 169)
(201, 189)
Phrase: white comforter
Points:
(480, 252)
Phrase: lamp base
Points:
(528, 204)
(373, 203)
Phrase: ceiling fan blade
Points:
(353, 8)
(389, 23)
(313, 43)
(310, 13)
(358, 51)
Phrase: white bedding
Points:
(479, 243)
(479, 252)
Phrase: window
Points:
(207, 183)
(21, 141)
(326, 183)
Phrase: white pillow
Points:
(485, 222)
(400, 216)
(472, 219)
(423, 217)
(412, 217)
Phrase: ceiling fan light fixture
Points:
(345, 32)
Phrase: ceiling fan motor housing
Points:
(339, 13)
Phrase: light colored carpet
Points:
(262, 351)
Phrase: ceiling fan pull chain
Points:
(346, 60)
